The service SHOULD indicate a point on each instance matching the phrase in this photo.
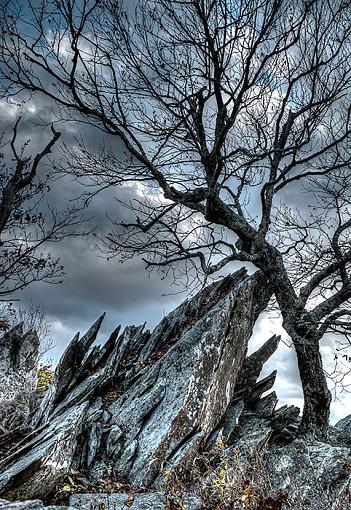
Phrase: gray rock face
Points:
(143, 400)
(69, 372)
(345, 424)
(29, 505)
(314, 474)
(305, 474)
(33, 469)
(143, 501)
(169, 412)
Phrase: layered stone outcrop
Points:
(145, 402)
(141, 400)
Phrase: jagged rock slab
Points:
(67, 373)
(42, 460)
(228, 426)
(345, 424)
(285, 420)
(180, 399)
(231, 420)
(246, 386)
(260, 387)
(145, 401)
(168, 331)
(247, 394)
(169, 391)
(251, 436)
(143, 501)
(91, 372)
(265, 406)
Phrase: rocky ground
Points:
(175, 418)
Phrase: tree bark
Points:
(303, 330)
(317, 397)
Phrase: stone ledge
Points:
(122, 501)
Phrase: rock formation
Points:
(19, 355)
(145, 403)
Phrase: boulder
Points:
(313, 474)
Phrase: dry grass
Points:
(228, 482)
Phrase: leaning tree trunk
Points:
(317, 397)
(303, 330)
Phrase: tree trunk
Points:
(303, 330)
(317, 397)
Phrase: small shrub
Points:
(45, 377)
(222, 481)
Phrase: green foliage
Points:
(45, 377)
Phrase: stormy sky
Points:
(126, 292)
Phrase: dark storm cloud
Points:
(92, 284)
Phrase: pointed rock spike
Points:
(253, 365)
(261, 387)
(89, 337)
(267, 349)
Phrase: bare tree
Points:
(34, 318)
(228, 111)
(27, 221)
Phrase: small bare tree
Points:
(228, 111)
(27, 221)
